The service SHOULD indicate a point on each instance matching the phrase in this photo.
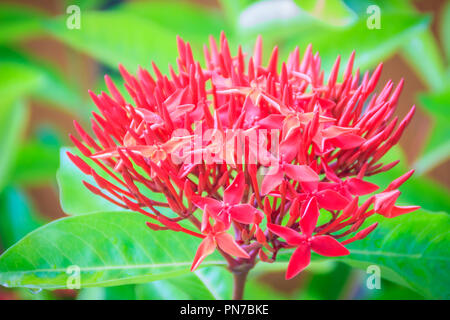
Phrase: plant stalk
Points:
(239, 279)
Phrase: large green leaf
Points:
(126, 292)
(255, 289)
(210, 283)
(119, 37)
(111, 248)
(411, 250)
(326, 285)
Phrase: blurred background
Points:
(47, 66)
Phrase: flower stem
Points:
(239, 279)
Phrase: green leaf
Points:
(257, 290)
(36, 163)
(437, 149)
(360, 6)
(371, 45)
(88, 4)
(389, 291)
(51, 86)
(329, 285)
(272, 17)
(210, 283)
(333, 12)
(16, 80)
(434, 157)
(110, 248)
(437, 103)
(290, 27)
(18, 22)
(232, 10)
(118, 37)
(13, 120)
(17, 218)
(126, 292)
(422, 53)
(71, 189)
(411, 250)
(74, 197)
(191, 21)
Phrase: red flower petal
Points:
(360, 187)
(331, 200)
(300, 259)
(214, 206)
(400, 180)
(226, 242)
(289, 148)
(399, 210)
(243, 213)
(206, 225)
(347, 141)
(205, 248)
(272, 180)
(328, 246)
(335, 131)
(301, 173)
(385, 201)
(273, 121)
(292, 237)
(233, 194)
(309, 219)
(149, 116)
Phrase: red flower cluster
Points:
(304, 148)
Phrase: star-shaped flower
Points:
(288, 151)
(231, 206)
(216, 236)
(305, 242)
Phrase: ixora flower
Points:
(322, 137)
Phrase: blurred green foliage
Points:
(136, 33)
